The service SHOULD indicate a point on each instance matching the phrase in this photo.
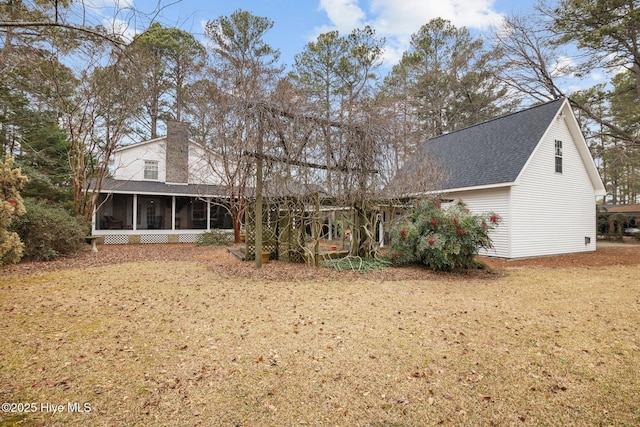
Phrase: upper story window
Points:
(151, 169)
(558, 156)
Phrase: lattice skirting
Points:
(154, 238)
(117, 239)
(188, 238)
(125, 239)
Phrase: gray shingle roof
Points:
(491, 152)
(154, 187)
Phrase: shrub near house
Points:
(48, 231)
(442, 239)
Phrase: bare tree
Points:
(94, 102)
(226, 139)
(244, 70)
(530, 58)
(570, 40)
(96, 115)
(336, 74)
(403, 130)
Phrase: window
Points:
(558, 156)
(199, 210)
(151, 169)
(151, 214)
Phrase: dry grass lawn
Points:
(182, 343)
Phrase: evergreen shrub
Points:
(442, 239)
(48, 231)
(215, 237)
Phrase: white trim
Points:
(536, 148)
(94, 216)
(138, 232)
(208, 202)
(459, 189)
(565, 112)
(149, 163)
(173, 213)
(478, 187)
(160, 138)
(134, 220)
(509, 222)
(139, 144)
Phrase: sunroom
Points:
(156, 212)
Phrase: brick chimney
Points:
(177, 152)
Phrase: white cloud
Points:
(118, 26)
(397, 20)
(564, 66)
(597, 76)
(115, 4)
(345, 15)
(404, 17)
(115, 15)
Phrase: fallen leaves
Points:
(186, 345)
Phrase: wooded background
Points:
(72, 92)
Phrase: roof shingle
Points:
(491, 152)
(154, 187)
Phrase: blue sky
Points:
(296, 22)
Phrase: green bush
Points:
(442, 239)
(48, 231)
(215, 237)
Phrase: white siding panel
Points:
(552, 213)
(129, 162)
(485, 201)
(201, 166)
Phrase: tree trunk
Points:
(258, 207)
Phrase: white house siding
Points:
(490, 200)
(552, 213)
(201, 164)
(129, 161)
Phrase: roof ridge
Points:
(147, 141)
(498, 118)
(494, 151)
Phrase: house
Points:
(619, 219)
(533, 168)
(162, 190)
